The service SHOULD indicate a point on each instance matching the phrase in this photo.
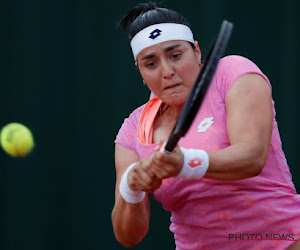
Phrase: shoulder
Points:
(235, 58)
(236, 66)
(127, 133)
(135, 115)
(231, 68)
(236, 61)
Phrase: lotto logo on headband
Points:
(155, 33)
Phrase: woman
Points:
(227, 183)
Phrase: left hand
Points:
(166, 165)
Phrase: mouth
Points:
(172, 86)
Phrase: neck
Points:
(170, 113)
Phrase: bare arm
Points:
(249, 127)
(131, 221)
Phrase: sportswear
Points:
(217, 214)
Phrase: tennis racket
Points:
(200, 87)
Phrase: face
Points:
(170, 69)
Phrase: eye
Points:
(176, 55)
(150, 64)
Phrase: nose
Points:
(167, 70)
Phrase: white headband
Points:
(159, 33)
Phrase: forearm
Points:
(239, 161)
(130, 221)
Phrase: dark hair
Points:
(146, 14)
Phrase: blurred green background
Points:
(68, 74)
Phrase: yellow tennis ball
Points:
(16, 139)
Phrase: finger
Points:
(159, 159)
(164, 165)
(157, 165)
(155, 185)
(142, 180)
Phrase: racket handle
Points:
(171, 144)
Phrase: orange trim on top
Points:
(145, 126)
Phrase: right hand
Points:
(167, 165)
(142, 178)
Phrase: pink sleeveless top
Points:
(261, 212)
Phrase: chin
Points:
(176, 100)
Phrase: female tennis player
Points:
(227, 183)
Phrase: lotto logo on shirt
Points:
(205, 124)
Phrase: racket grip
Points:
(171, 144)
(162, 149)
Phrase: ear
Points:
(197, 51)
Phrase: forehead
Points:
(163, 47)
